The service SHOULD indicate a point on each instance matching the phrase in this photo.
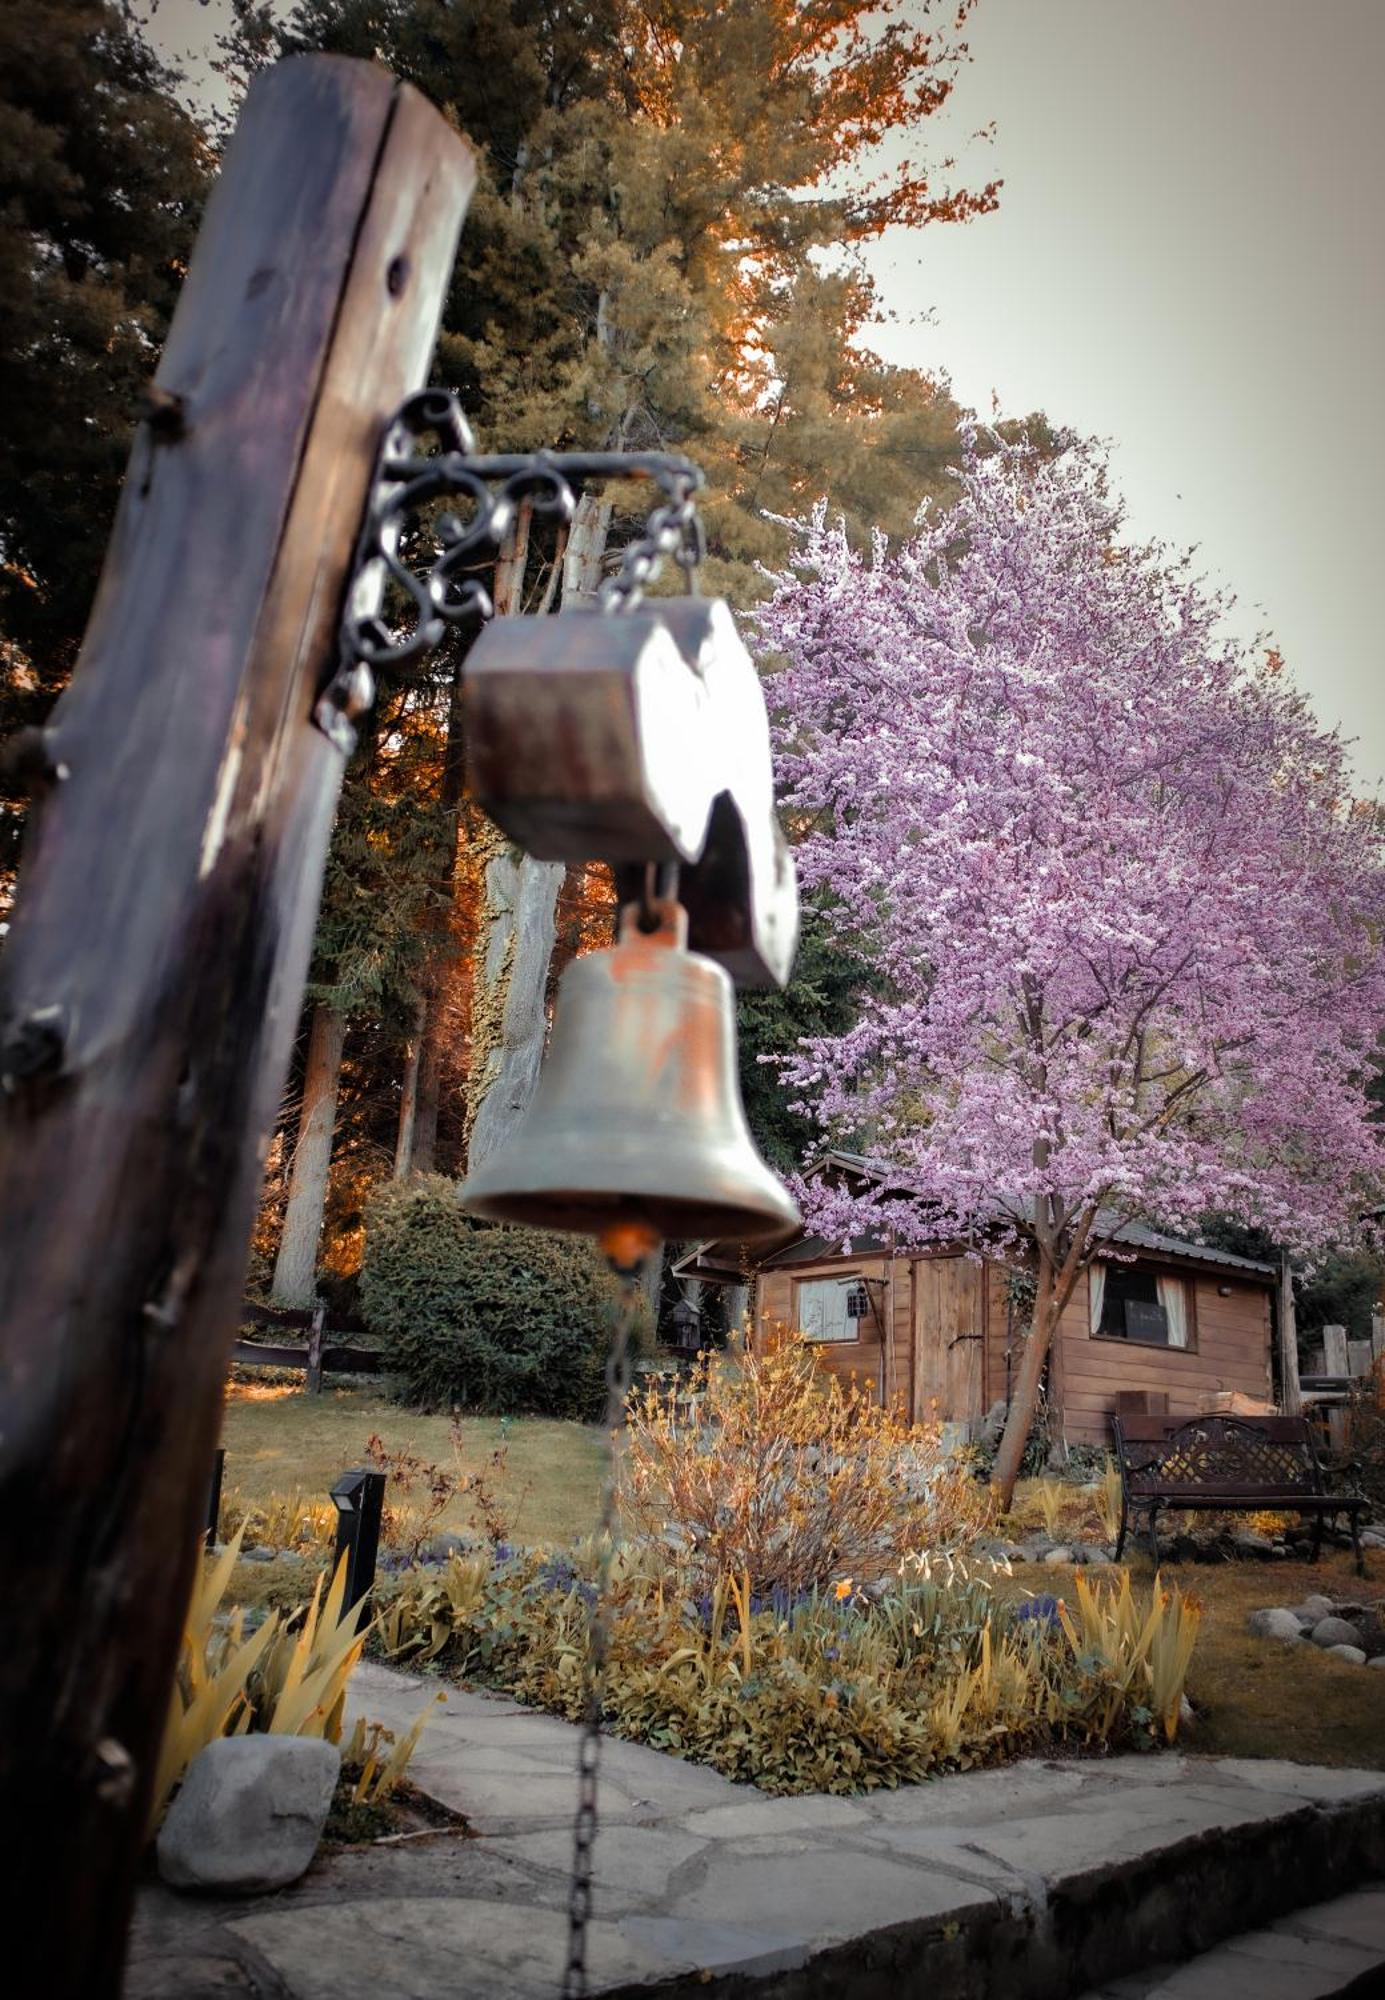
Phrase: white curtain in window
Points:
(1096, 1293)
(1173, 1299)
(822, 1309)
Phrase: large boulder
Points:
(249, 1814)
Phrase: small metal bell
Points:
(638, 1115)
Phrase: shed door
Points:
(948, 1345)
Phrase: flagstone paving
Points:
(1039, 1879)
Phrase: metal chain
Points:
(676, 530)
(579, 1908)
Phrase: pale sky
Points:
(1187, 261)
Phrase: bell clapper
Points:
(628, 1247)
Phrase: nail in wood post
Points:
(151, 983)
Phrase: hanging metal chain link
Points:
(675, 530)
(629, 1265)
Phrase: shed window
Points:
(1128, 1303)
(830, 1308)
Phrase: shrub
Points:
(483, 1316)
(286, 1678)
(786, 1475)
(833, 1691)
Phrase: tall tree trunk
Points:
(424, 1157)
(408, 1095)
(1024, 1399)
(1054, 1286)
(586, 551)
(295, 1267)
(507, 595)
(510, 978)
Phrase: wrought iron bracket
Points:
(650, 741)
(410, 476)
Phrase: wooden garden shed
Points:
(1160, 1325)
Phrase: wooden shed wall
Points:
(867, 1359)
(1231, 1347)
(1230, 1350)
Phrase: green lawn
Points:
(1255, 1698)
(281, 1441)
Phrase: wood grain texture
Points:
(938, 1296)
(163, 927)
(948, 1340)
(1232, 1351)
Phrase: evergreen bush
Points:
(484, 1316)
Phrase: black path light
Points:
(632, 732)
(359, 1498)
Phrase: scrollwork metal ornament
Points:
(428, 454)
(635, 736)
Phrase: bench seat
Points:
(1224, 1464)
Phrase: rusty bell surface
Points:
(638, 1114)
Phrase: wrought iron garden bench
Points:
(1227, 1465)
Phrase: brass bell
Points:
(638, 1117)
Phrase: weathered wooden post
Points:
(151, 982)
(1291, 1395)
(1334, 1349)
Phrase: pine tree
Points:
(660, 254)
(102, 179)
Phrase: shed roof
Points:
(727, 1260)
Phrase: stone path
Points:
(1026, 1883)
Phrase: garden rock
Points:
(445, 1544)
(1275, 1623)
(1314, 1608)
(1248, 1543)
(1353, 1655)
(1378, 1661)
(1334, 1632)
(262, 1554)
(249, 1815)
(1372, 1538)
(1058, 1556)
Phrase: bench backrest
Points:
(1212, 1455)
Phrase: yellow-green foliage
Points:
(831, 1690)
(372, 1761)
(280, 1520)
(787, 1474)
(1143, 1654)
(288, 1678)
(1108, 1500)
(1052, 1498)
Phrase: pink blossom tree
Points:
(1128, 921)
